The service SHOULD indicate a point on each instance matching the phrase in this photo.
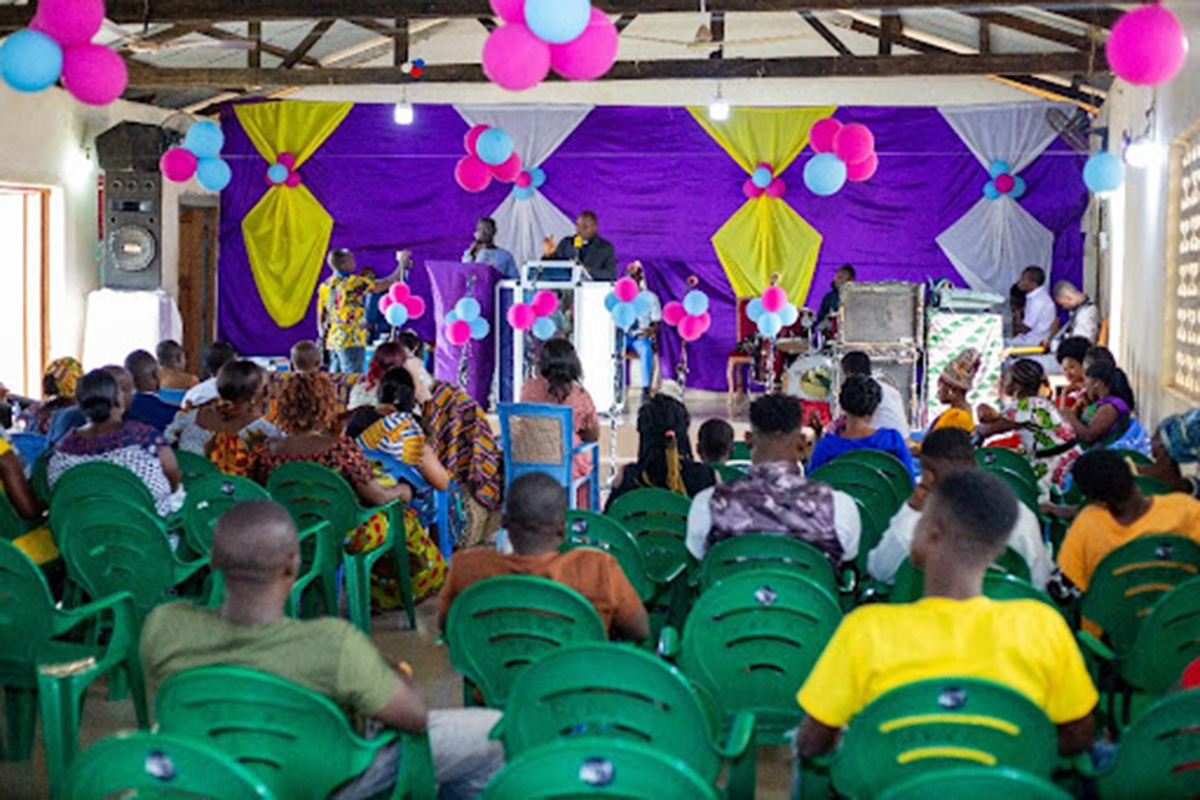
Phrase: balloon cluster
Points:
(763, 181)
(569, 36)
(626, 302)
(491, 153)
(1004, 182)
(1104, 173)
(400, 305)
(200, 155)
(691, 316)
(414, 69)
(463, 323)
(844, 153)
(537, 315)
(772, 312)
(528, 182)
(1147, 46)
(58, 45)
(283, 171)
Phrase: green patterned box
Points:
(949, 334)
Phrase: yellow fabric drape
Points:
(288, 232)
(766, 235)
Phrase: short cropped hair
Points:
(856, 362)
(1104, 476)
(1036, 275)
(170, 354)
(860, 396)
(949, 446)
(776, 415)
(715, 440)
(979, 510)
(535, 509)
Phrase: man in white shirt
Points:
(891, 412)
(943, 452)
(217, 355)
(1040, 311)
(1083, 319)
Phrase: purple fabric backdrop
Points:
(449, 281)
(661, 186)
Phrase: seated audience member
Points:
(774, 497)
(1108, 419)
(1016, 308)
(1176, 442)
(1117, 513)
(306, 356)
(535, 516)
(1083, 318)
(147, 407)
(1049, 442)
(366, 391)
(890, 413)
(172, 366)
(255, 547)
(954, 632)
(1071, 354)
(216, 356)
(416, 364)
(66, 420)
(714, 442)
(664, 451)
(108, 437)
(860, 398)
(229, 430)
(392, 427)
(954, 383)
(58, 393)
(944, 453)
(16, 485)
(1039, 313)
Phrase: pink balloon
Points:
(750, 190)
(472, 174)
(521, 316)
(854, 143)
(94, 74)
(777, 188)
(673, 313)
(774, 299)
(515, 59)
(1005, 183)
(509, 171)
(705, 322)
(691, 328)
(1147, 46)
(822, 133)
(293, 180)
(473, 136)
(524, 180)
(626, 290)
(399, 292)
(69, 22)
(385, 303)
(509, 10)
(178, 164)
(458, 332)
(864, 170)
(590, 56)
(415, 306)
(545, 303)
(287, 159)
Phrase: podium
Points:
(582, 318)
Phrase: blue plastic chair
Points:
(29, 446)
(172, 396)
(410, 475)
(528, 451)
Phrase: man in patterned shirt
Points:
(342, 310)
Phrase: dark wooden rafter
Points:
(221, 34)
(307, 43)
(254, 57)
(1031, 27)
(716, 24)
(624, 21)
(400, 43)
(985, 37)
(825, 33)
(891, 28)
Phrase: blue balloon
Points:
(452, 317)
(30, 61)
(825, 174)
(695, 302)
(480, 328)
(523, 192)
(277, 173)
(1019, 188)
(558, 21)
(1103, 173)
(204, 139)
(624, 316)
(611, 301)
(762, 177)
(789, 315)
(494, 147)
(545, 329)
(769, 325)
(643, 304)
(990, 191)
(539, 177)
(397, 315)
(468, 309)
(214, 174)
(755, 310)
(999, 167)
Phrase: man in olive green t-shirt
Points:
(255, 546)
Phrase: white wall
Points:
(1137, 268)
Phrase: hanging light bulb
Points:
(404, 113)
(1142, 153)
(718, 109)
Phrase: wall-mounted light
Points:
(718, 109)
(1141, 150)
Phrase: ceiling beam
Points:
(1031, 27)
(223, 35)
(823, 31)
(307, 43)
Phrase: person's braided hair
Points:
(1028, 374)
(308, 402)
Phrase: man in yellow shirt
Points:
(1117, 514)
(954, 631)
(342, 309)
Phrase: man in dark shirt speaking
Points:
(596, 254)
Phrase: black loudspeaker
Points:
(129, 154)
(131, 146)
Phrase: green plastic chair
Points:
(1152, 487)
(149, 765)
(942, 723)
(741, 451)
(298, 742)
(657, 518)
(602, 689)
(865, 483)
(751, 641)
(99, 479)
(598, 767)
(38, 477)
(978, 783)
(314, 493)
(652, 502)
(1158, 753)
(210, 497)
(755, 551)
(40, 666)
(589, 529)
(194, 467)
(1138, 459)
(499, 626)
(1130, 580)
(909, 584)
(1001, 459)
(885, 464)
(728, 473)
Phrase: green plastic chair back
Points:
(909, 584)
(885, 464)
(1130, 580)
(1168, 640)
(978, 783)
(499, 626)
(1152, 487)
(864, 483)
(741, 451)
(598, 767)
(194, 467)
(298, 742)
(210, 497)
(99, 479)
(755, 551)
(1003, 460)
(1138, 459)
(150, 765)
(751, 640)
(649, 502)
(12, 525)
(942, 723)
(1159, 752)
(588, 529)
(728, 473)
(39, 479)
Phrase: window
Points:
(24, 272)
(1183, 245)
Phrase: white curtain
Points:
(537, 131)
(996, 239)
